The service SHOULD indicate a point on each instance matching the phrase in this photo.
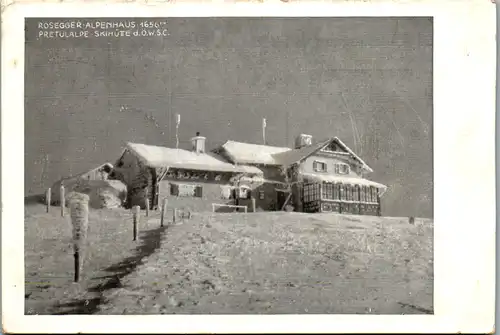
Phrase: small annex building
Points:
(102, 192)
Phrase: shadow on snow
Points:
(150, 242)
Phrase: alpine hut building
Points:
(325, 176)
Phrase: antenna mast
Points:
(177, 122)
(264, 125)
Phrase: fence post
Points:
(62, 199)
(163, 212)
(79, 213)
(253, 204)
(136, 220)
(147, 207)
(47, 198)
(174, 216)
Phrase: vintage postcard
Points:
(248, 167)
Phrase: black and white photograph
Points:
(230, 165)
(272, 165)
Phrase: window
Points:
(374, 193)
(355, 193)
(341, 168)
(348, 192)
(261, 195)
(342, 192)
(198, 191)
(319, 166)
(336, 191)
(186, 190)
(363, 193)
(328, 191)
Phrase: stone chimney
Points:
(303, 140)
(198, 143)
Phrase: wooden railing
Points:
(245, 208)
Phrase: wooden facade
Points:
(341, 198)
(323, 177)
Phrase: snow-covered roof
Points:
(293, 156)
(344, 180)
(249, 153)
(356, 157)
(156, 156)
(76, 176)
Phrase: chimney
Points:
(303, 140)
(198, 143)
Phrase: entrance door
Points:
(280, 200)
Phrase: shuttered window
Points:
(186, 190)
(341, 168)
(319, 166)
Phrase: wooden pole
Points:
(264, 125)
(63, 199)
(47, 199)
(163, 212)
(379, 207)
(174, 216)
(147, 207)
(79, 213)
(136, 219)
(253, 204)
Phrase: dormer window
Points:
(319, 166)
(341, 168)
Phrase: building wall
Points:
(307, 165)
(265, 194)
(265, 198)
(137, 176)
(211, 193)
